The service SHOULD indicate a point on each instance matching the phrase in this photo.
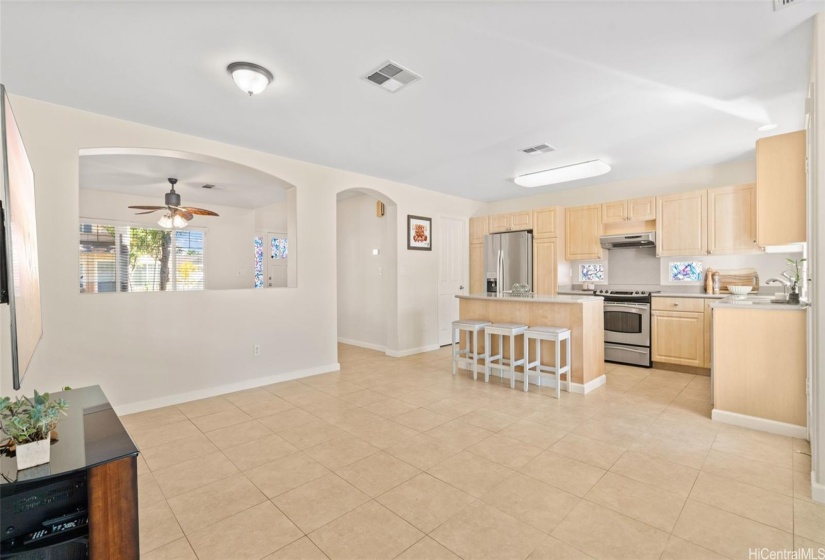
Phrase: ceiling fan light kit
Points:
(250, 77)
(177, 217)
(573, 172)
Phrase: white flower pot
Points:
(33, 454)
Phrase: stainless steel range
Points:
(626, 325)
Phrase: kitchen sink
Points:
(756, 300)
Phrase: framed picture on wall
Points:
(419, 233)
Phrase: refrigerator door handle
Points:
(500, 272)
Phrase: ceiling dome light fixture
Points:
(572, 172)
(251, 78)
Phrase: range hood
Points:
(628, 241)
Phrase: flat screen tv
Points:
(20, 281)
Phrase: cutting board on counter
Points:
(737, 277)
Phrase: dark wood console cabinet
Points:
(84, 502)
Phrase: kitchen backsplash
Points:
(632, 266)
(641, 266)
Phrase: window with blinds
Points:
(118, 258)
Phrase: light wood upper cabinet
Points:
(478, 229)
(583, 226)
(781, 189)
(678, 337)
(545, 257)
(681, 224)
(641, 209)
(477, 284)
(520, 220)
(634, 210)
(545, 222)
(514, 221)
(732, 220)
(614, 212)
(498, 223)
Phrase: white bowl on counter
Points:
(740, 290)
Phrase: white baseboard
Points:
(761, 424)
(585, 388)
(367, 345)
(178, 398)
(411, 351)
(817, 489)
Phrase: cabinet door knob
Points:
(675, 305)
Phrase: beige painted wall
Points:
(152, 349)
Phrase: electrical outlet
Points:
(256, 350)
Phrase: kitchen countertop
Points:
(580, 297)
(674, 291)
(762, 303)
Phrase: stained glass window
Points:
(280, 248)
(259, 262)
(686, 271)
(591, 272)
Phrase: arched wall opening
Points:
(254, 231)
(367, 269)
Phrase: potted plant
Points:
(794, 274)
(28, 424)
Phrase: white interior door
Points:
(277, 252)
(451, 241)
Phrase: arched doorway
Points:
(367, 275)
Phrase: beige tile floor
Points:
(396, 458)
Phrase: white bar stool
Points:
(471, 327)
(498, 362)
(557, 335)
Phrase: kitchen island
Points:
(583, 315)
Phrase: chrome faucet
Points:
(786, 284)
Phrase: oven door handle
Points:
(616, 347)
(626, 309)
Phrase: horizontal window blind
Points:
(118, 258)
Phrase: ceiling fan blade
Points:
(184, 214)
(147, 207)
(147, 212)
(200, 211)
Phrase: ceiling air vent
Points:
(779, 4)
(392, 76)
(540, 149)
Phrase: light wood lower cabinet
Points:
(678, 337)
(545, 255)
(759, 363)
(708, 331)
(681, 331)
(477, 284)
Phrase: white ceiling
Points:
(143, 174)
(649, 87)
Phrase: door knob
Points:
(461, 287)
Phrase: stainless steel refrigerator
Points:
(508, 260)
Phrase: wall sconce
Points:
(379, 209)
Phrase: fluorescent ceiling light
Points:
(766, 127)
(573, 172)
(251, 78)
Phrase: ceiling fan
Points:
(177, 216)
